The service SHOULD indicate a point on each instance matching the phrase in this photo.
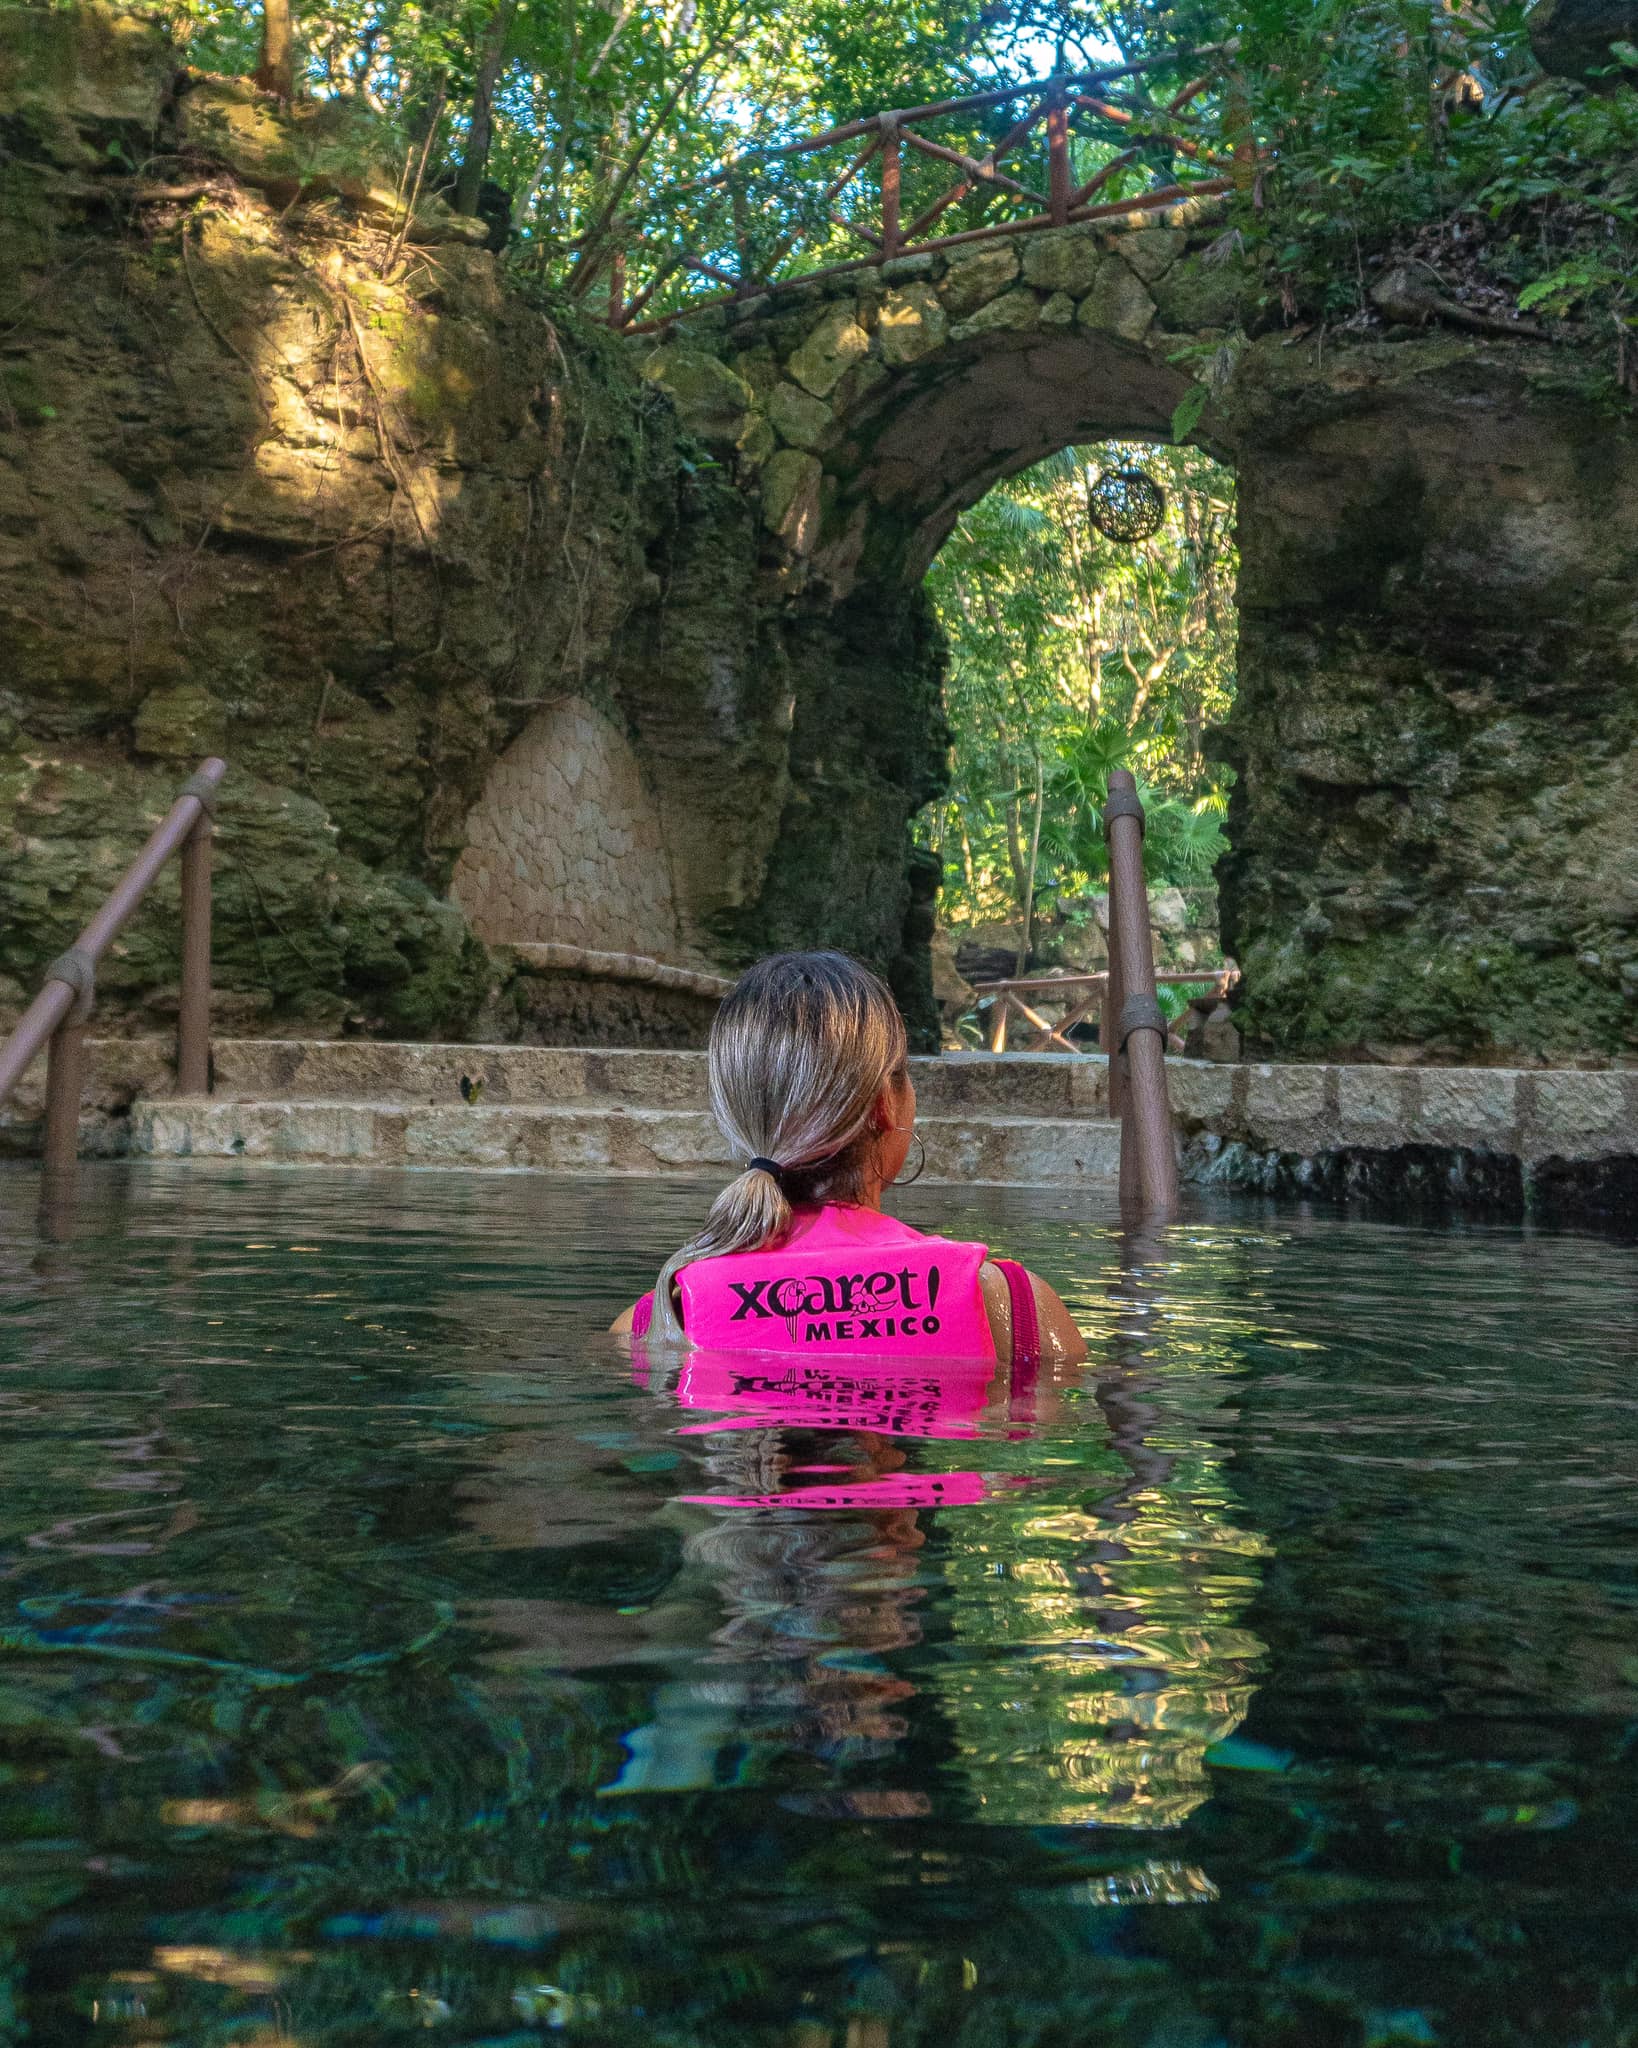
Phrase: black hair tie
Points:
(765, 1166)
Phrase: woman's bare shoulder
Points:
(1061, 1341)
(621, 1326)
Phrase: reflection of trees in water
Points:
(1097, 1673)
(1083, 1653)
(1102, 1651)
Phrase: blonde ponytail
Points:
(799, 1052)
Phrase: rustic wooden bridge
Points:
(752, 227)
(1018, 996)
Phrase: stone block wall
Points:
(1561, 1143)
(565, 843)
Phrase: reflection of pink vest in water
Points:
(842, 1281)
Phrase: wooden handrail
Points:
(1155, 201)
(55, 1020)
(1044, 983)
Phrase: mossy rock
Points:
(1480, 999)
(1061, 263)
(80, 81)
(712, 400)
(1574, 39)
(976, 275)
(1118, 304)
(1195, 295)
(911, 323)
(1149, 252)
(801, 419)
(180, 724)
(302, 932)
(313, 149)
(1014, 312)
(790, 497)
(833, 346)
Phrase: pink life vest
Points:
(842, 1280)
(860, 1369)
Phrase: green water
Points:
(363, 1675)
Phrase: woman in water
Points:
(810, 1084)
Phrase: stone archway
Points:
(867, 411)
(1435, 734)
(874, 406)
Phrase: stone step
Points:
(997, 1150)
(366, 1070)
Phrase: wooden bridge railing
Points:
(718, 246)
(1085, 993)
(55, 1020)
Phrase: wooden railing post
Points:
(1109, 1015)
(193, 1013)
(892, 239)
(1140, 1028)
(1058, 169)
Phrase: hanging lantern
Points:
(1126, 505)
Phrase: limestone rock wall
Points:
(286, 477)
(1435, 846)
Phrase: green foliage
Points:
(1190, 406)
(611, 118)
(1562, 290)
(1183, 837)
(1072, 656)
(1356, 123)
(1380, 119)
(604, 110)
(1349, 126)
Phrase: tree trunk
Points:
(276, 71)
(1015, 848)
(1029, 883)
(491, 56)
(1014, 816)
(424, 107)
(1093, 649)
(591, 252)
